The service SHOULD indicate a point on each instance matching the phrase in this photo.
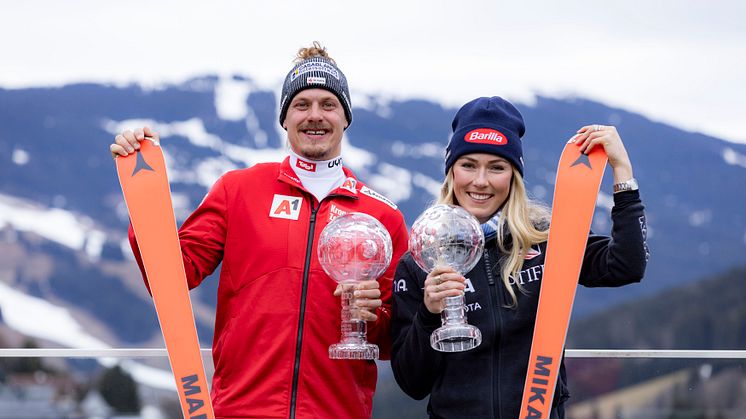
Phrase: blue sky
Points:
(679, 62)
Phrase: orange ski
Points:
(144, 182)
(575, 192)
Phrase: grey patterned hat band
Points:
(315, 73)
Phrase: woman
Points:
(484, 175)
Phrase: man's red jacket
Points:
(276, 313)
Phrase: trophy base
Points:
(456, 338)
(353, 351)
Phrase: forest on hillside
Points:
(706, 315)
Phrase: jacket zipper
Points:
(304, 290)
(496, 309)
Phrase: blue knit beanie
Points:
(487, 125)
(315, 73)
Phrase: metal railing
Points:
(624, 403)
(569, 353)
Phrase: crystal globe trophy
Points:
(448, 235)
(352, 248)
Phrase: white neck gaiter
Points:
(318, 176)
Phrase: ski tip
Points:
(155, 142)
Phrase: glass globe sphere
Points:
(446, 235)
(354, 247)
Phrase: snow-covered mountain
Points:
(63, 222)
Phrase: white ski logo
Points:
(373, 194)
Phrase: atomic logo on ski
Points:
(141, 164)
(583, 159)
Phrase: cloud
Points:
(678, 62)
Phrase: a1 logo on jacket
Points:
(284, 206)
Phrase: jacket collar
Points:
(350, 188)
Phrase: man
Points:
(277, 311)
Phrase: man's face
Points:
(315, 123)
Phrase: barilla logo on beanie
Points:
(486, 136)
(307, 166)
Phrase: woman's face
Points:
(481, 183)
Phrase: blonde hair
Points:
(315, 50)
(528, 225)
